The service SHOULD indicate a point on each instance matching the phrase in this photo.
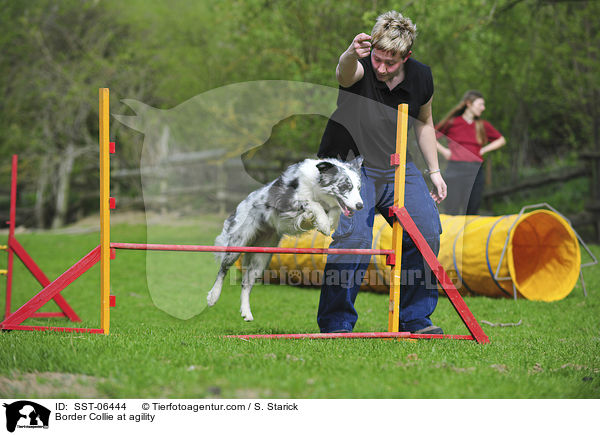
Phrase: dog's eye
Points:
(345, 186)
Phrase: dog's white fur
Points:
(310, 194)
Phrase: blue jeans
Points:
(344, 273)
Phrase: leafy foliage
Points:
(535, 61)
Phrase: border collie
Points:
(307, 195)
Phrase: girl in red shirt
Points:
(469, 138)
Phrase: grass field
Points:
(160, 346)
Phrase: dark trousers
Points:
(465, 181)
(344, 273)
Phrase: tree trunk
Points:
(40, 194)
(62, 192)
(520, 135)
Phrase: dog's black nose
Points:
(359, 206)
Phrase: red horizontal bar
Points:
(328, 335)
(264, 250)
(451, 337)
(355, 335)
(51, 328)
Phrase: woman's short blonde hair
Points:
(393, 32)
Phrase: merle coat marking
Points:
(309, 194)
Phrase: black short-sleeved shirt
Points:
(365, 119)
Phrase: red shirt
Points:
(462, 139)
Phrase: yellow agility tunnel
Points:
(534, 255)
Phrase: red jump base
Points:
(324, 336)
(50, 328)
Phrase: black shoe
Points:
(339, 331)
(435, 330)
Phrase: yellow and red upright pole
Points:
(399, 161)
(104, 211)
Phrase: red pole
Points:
(444, 280)
(11, 233)
(352, 335)
(264, 250)
(327, 336)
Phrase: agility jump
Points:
(105, 252)
(13, 247)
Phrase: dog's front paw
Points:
(332, 224)
(323, 226)
(334, 220)
(308, 216)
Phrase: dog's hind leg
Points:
(215, 291)
(253, 267)
(227, 259)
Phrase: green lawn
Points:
(160, 346)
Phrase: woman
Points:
(376, 74)
(469, 138)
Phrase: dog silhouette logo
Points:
(26, 414)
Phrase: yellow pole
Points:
(104, 212)
(399, 180)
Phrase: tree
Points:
(56, 56)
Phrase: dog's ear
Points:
(357, 162)
(324, 166)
